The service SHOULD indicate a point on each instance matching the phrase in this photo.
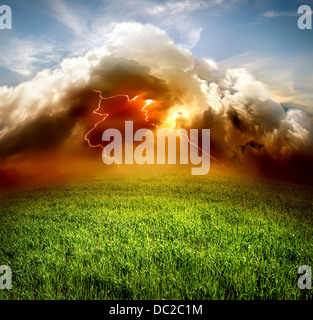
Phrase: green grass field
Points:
(157, 237)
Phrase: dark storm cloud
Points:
(48, 111)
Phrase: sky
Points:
(240, 68)
(260, 35)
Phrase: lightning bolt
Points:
(105, 115)
(146, 112)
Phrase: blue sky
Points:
(259, 35)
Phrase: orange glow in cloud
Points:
(120, 108)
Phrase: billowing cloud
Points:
(52, 113)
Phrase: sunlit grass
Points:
(157, 237)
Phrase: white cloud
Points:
(173, 16)
(69, 16)
(89, 27)
(275, 14)
(288, 80)
(176, 7)
(26, 55)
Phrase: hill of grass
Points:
(157, 237)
